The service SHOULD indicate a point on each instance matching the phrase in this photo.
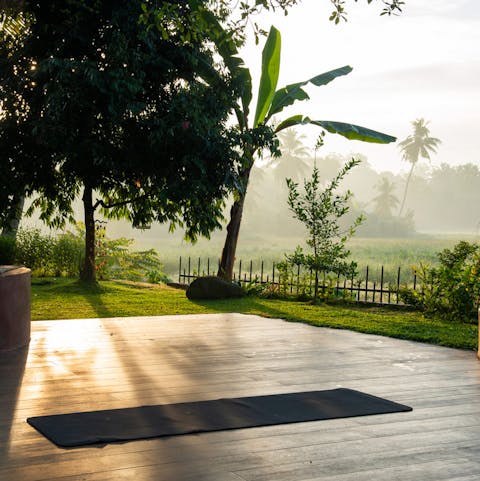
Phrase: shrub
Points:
(7, 250)
(62, 256)
(67, 254)
(34, 250)
(452, 289)
(115, 260)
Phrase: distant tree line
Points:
(440, 198)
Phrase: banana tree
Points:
(271, 102)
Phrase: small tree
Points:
(320, 210)
(450, 290)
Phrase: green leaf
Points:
(350, 131)
(292, 121)
(269, 77)
(246, 94)
(288, 95)
(354, 132)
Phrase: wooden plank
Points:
(102, 364)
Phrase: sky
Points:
(424, 63)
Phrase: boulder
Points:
(212, 287)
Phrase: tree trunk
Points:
(88, 270)
(406, 189)
(11, 229)
(315, 292)
(225, 269)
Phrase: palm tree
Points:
(293, 161)
(386, 200)
(419, 144)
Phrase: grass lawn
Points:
(69, 299)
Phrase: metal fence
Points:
(368, 286)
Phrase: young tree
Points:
(94, 102)
(320, 211)
(258, 134)
(417, 145)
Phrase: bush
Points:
(62, 255)
(451, 290)
(34, 250)
(67, 255)
(115, 260)
(7, 250)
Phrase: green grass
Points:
(69, 299)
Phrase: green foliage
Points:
(7, 250)
(269, 77)
(91, 96)
(62, 256)
(271, 101)
(452, 289)
(116, 260)
(47, 255)
(35, 251)
(67, 255)
(320, 211)
(390, 7)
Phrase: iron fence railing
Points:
(369, 285)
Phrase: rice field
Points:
(374, 253)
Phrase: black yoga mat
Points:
(143, 422)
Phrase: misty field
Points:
(372, 252)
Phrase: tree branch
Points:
(101, 203)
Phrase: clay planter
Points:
(14, 307)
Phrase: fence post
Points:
(298, 278)
(366, 284)
(398, 284)
(180, 270)
(381, 287)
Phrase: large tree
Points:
(95, 103)
(417, 145)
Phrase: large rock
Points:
(211, 287)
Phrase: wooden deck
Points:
(95, 364)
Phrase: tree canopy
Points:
(92, 99)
